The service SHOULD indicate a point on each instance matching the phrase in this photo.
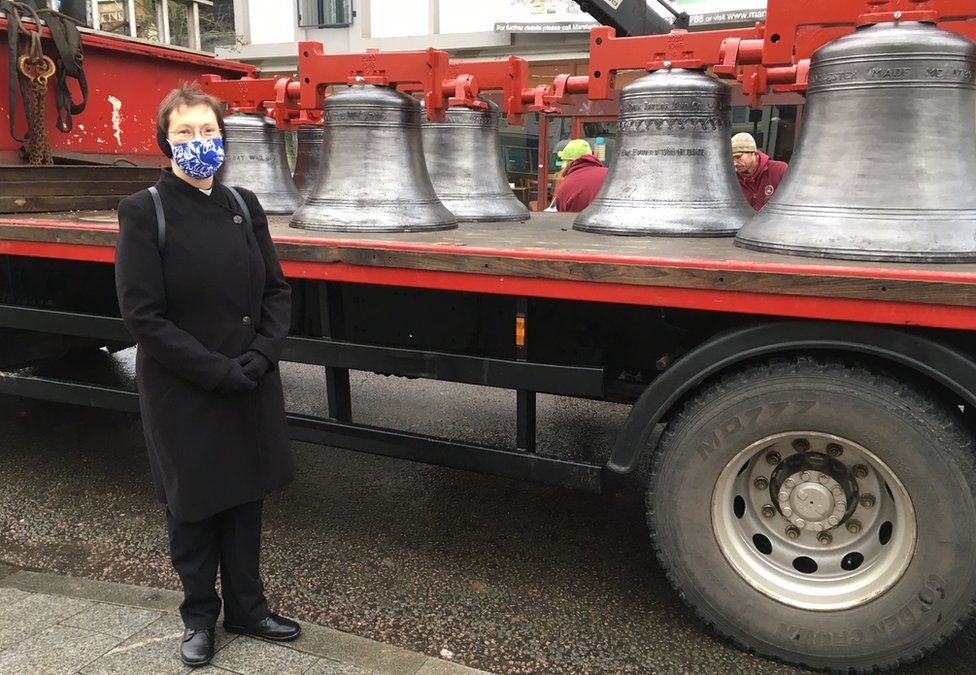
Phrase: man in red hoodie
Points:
(583, 178)
(758, 175)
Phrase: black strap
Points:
(240, 202)
(160, 219)
(67, 40)
(14, 31)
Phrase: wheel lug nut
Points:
(867, 501)
(853, 526)
(823, 478)
(860, 471)
(783, 495)
(761, 483)
(768, 511)
(773, 458)
(833, 520)
(834, 450)
(801, 445)
(824, 538)
(793, 532)
(805, 475)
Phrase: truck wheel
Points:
(819, 513)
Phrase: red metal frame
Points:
(248, 94)
(548, 98)
(772, 56)
(431, 69)
(794, 30)
(275, 97)
(510, 76)
(678, 49)
(294, 101)
(777, 57)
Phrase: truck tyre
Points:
(819, 513)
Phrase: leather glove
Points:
(254, 364)
(235, 381)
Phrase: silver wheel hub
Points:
(813, 520)
(812, 500)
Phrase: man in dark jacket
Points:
(758, 175)
(583, 180)
(209, 307)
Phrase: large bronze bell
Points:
(254, 158)
(672, 172)
(307, 158)
(886, 156)
(464, 159)
(372, 176)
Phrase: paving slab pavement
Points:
(59, 625)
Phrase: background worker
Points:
(758, 175)
(583, 176)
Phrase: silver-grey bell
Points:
(372, 176)
(464, 159)
(308, 157)
(254, 158)
(672, 172)
(885, 161)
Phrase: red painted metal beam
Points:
(786, 18)
(678, 49)
(430, 69)
(778, 56)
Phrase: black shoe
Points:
(197, 647)
(272, 627)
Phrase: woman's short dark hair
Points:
(187, 95)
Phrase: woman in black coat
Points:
(210, 309)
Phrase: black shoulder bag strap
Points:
(243, 205)
(160, 219)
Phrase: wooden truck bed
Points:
(545, 257)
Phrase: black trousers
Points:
(231, 540)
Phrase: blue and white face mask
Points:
(200, 158)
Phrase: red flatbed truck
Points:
(813, 492)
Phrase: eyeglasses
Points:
(187, 134)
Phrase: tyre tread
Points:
(923, 405)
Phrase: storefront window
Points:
(520, 156)
(602, 137)
(773, 127)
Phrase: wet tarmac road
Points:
(509, 576)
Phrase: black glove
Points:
(235, 381)
(254, 364)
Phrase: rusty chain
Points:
(36, 69)
(39, 145)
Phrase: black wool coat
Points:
(215, 292)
